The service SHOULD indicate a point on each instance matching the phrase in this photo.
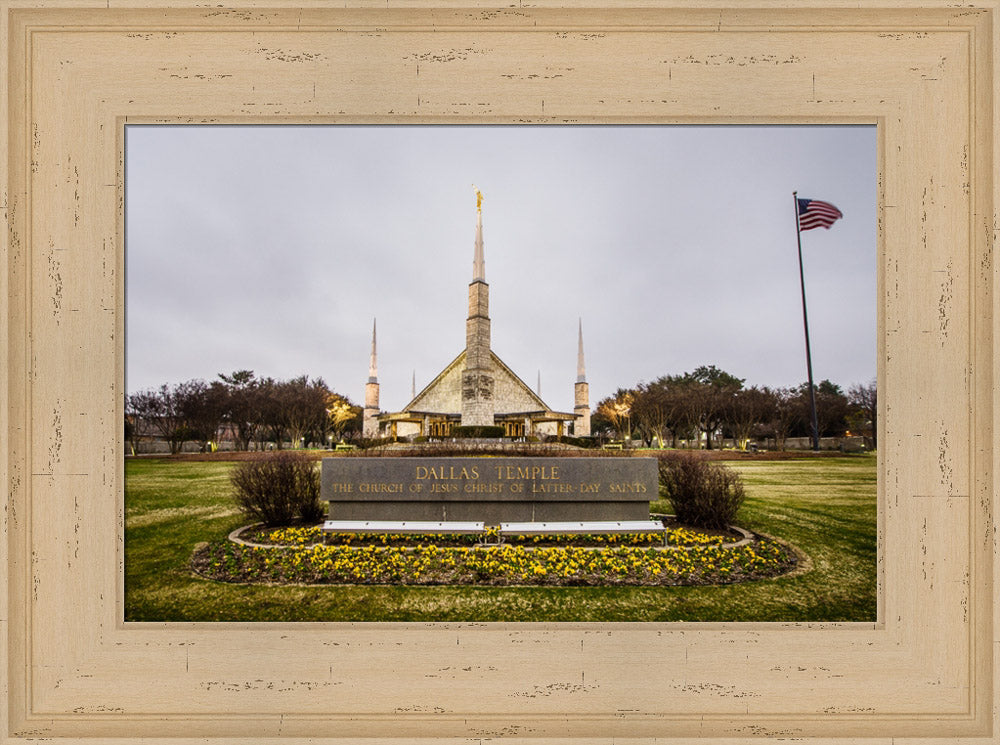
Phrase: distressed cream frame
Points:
(75, 72)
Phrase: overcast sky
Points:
(272, 248)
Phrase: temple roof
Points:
(443, 394)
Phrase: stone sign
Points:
(492, 490)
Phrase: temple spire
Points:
(478, 405)
(370, 424)
(581, 393)
(479, 260)
(373, 363)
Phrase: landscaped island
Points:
(304, 555)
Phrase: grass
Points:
(825, 507)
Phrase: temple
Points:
(476, 388)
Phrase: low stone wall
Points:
(853, 444)
(492, 490)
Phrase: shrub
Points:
(275, 488)
(366, 443)
(475, 432)
(703, 494)
(580, 442)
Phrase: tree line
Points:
(690, 408)
(710, 403)
(249, 411)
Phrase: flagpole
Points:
(805, 324)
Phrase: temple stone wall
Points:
(407, 429)
(477, 343)
(581, 407)
(369, 421)
(479, 300)
(446, 394)
(546, 428)
(509, 394)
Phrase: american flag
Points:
(815, 214)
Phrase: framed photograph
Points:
(259, 258)
(74, 78)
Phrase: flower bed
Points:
(311, 535)
(429, 563)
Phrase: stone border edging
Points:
(803, 562)
(746, 539)
(747, 535)
(234, 537)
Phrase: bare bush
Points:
(703, 494)
(275, 488)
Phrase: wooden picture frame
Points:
(76, 72)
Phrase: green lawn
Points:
(825, 507)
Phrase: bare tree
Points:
(203, 407)
(242, 411)
(339, 413)
(783, 414)
(617, 409)
(302, 407)
(748, 409)
(161, 411)
(270, 427)
(651, 409)
(140, 410)
(831, 408)
(685, 409)
(710, 390)
(864, 398)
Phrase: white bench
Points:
(583, 528)
(479, 528)
(402, 527)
